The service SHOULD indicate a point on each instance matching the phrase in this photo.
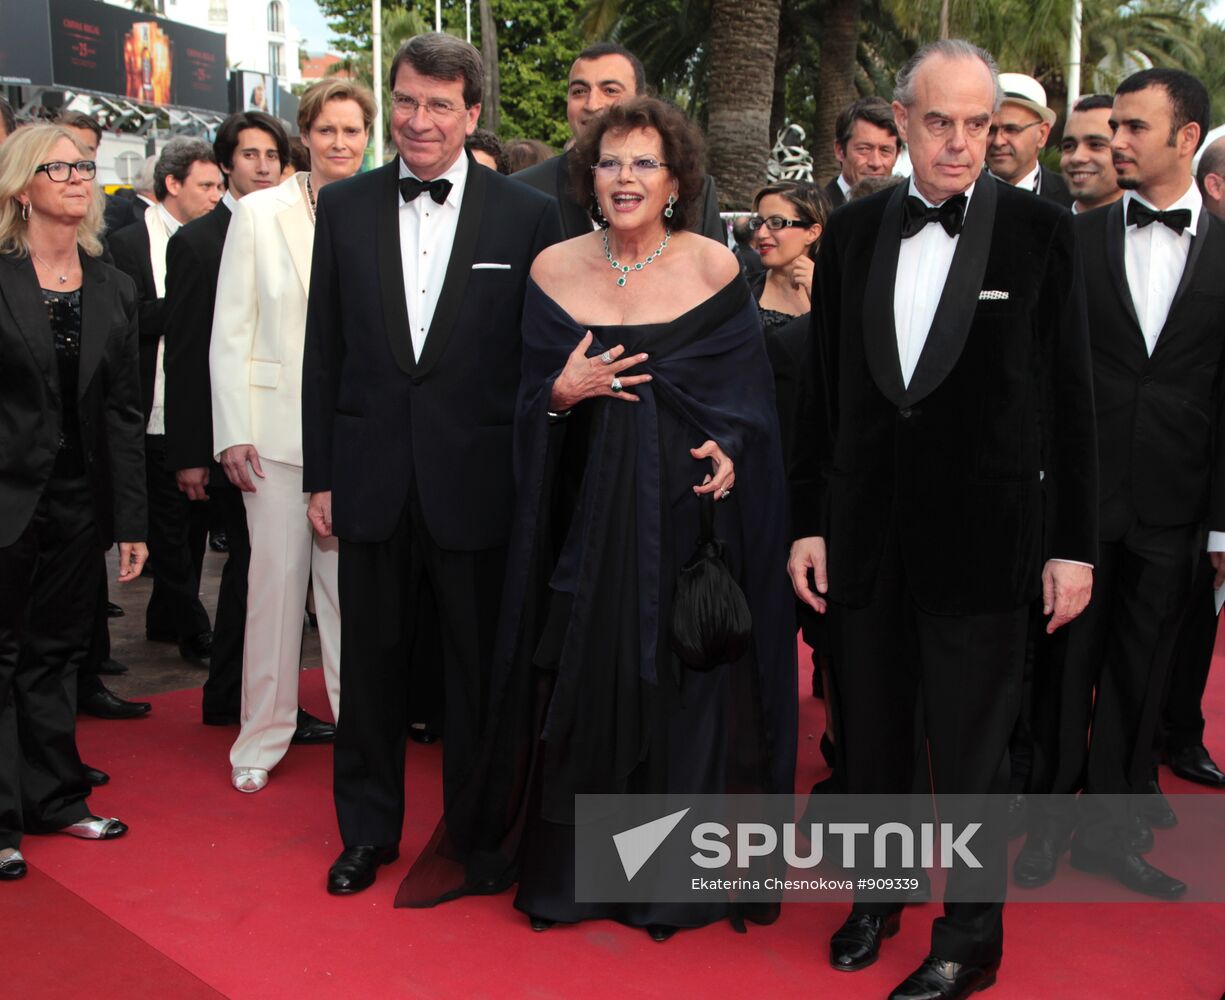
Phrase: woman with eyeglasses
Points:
(255, 364)
(786, 226)
(72, 475)
(646, 394)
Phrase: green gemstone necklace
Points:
(625, 269)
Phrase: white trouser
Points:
(286, 555)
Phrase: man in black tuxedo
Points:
(188, 185)
(866, 144)
(949, 383)
(250, 149)
(1155, 277)
(1020, 130)
(410, 374)
(602, 75)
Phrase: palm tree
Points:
(835, 80)
(743, 39)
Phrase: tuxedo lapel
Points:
(1117, 266)
(1188, 273)
(391, 269)
(19, 286)
(575, 221)
(459, 269)
(879, 330)
(95, 321)
(959, 299)
(299, 234)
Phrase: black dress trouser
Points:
(1183, 718)
(48, 589)
(380, 584)
(965, 671)
(176, 550)
(223, 689)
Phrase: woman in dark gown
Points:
(645, 386)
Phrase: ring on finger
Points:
(724, 494)
(616, 384)
(607, 357)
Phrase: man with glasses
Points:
(604, 74)
(188, 184)
(1019, 131)
(410, 375)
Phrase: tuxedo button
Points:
(1147, 380)
(905, 414)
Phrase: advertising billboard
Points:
(97, 47)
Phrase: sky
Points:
(309, 21)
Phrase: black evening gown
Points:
(588, 696)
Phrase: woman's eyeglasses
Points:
(774, 222)
(642, 166)
(59, 170)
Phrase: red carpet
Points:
(217, 891)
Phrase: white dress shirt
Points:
(427, 234)
(844, 187)
(229, 201)
(1156, 257)
(161, 225)
(923, 264)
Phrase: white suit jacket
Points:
(259, 323)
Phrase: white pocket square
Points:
(985, 296)
(491, 267)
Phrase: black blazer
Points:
(553, 178)
(377, 423)
(193, 259)
(1159, 418)
(1054, 188)
(108, 401)
(123, 208)
(1002, 396)
(129, 247)
(836, 197)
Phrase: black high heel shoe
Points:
(540, 923)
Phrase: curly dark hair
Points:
(683, 151)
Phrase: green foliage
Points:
(537, 41)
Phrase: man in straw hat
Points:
(1020, 129)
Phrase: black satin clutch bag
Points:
(711, 622)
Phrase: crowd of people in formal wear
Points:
(477, 408)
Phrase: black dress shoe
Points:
(540, 924)
(1039, 857)
(198, 649)
(1139, 836)
(856, 944)
(104, 704)
(113, 610)
(93, 777)
(419, 734)
(355, 869)
(938, 979)
(1131, 870)
(1194, 764)
(13, 867)
(311, 730)
(218, 542)
(112, 668)
(1152, 807)
(660, 932)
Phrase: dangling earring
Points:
(25, 211)
(668, 210)
(597, 214)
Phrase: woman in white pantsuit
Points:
(255, 364)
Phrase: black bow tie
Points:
(410, 187)
(916, 214)
(1140, 216)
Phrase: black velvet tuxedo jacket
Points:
(553, 178)
(984, 466)
(1160, 418)
(129, 248)
(1054, 188)
(193, 258)
(108, 400)
(376, 421)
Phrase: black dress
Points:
(588, 696)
